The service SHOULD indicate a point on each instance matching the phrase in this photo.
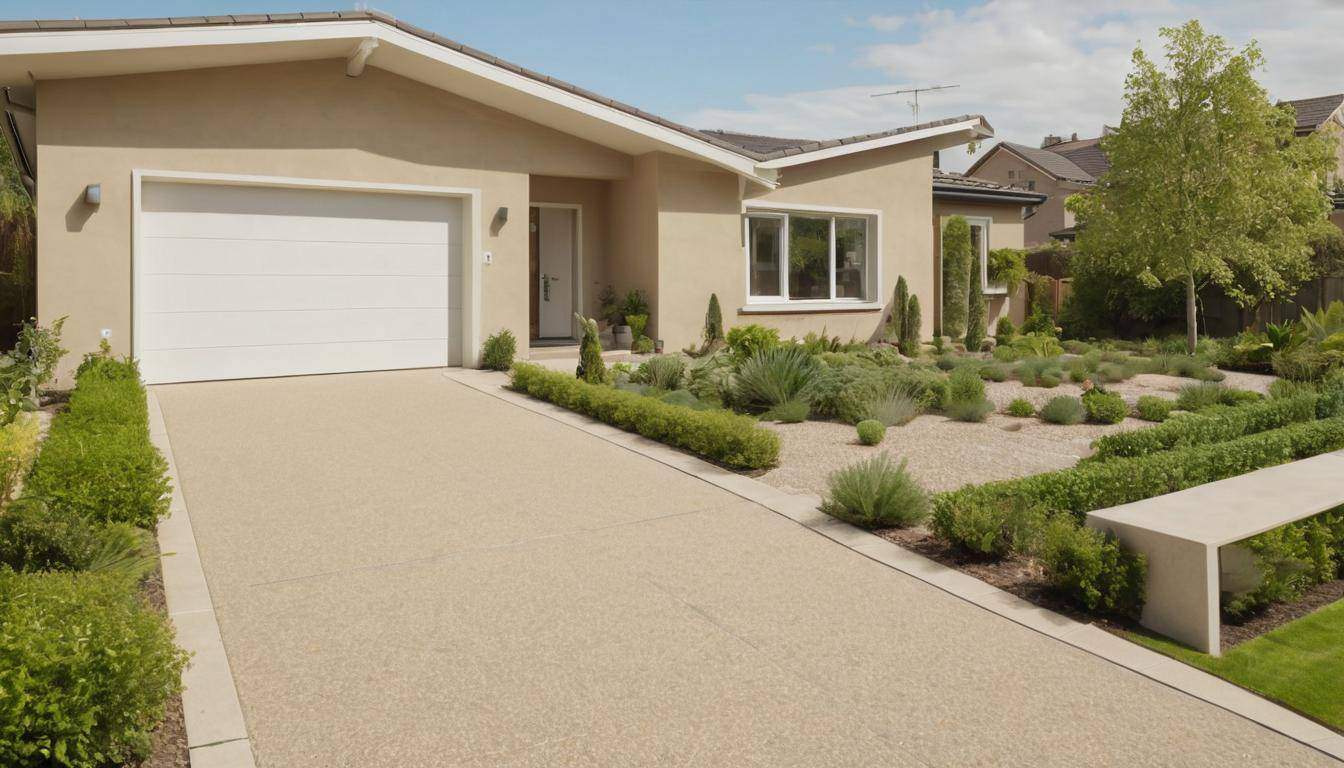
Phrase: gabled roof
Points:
(121, 46)
(1084, 153)
(1314, 112)
(773, 149)
(1056, 164)
(956, 186)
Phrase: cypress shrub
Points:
(713, 321)
(910, 329)
(975, 309)
(956, 276)
(899, 307)
(592, 368)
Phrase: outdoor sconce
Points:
(502, 215)
(93, 194)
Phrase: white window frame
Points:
(782, 302)
(984, 222)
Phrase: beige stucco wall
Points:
(1051, 215)
(1005, 231)
(304, 119)
(634, 234)
(594, 198)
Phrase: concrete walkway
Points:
(409, 572)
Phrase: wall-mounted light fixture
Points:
(93, 194)
(502, 215)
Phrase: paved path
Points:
(408, 572)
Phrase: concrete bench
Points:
(1186, 534)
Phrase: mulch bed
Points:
(1024, 577)
(168, 743)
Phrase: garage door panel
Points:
(266, 293)
(260, 213)
(185, 330)
(291, 360)
(240, 282)
(192, 256)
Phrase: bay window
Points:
(806, 256)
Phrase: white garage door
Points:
(242, 282)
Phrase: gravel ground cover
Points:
(944, 454)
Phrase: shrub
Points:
(845, 393)
(957, 258)
(910, 333)
(1005, 331)
(1331, 401)
(1154, 408)
(792, 412)
(1283, 388)
(35, 537)
(995, 372)
(18, 446)
(1195, 397)
(871, 431)
(1099, 484)
(592, 368)
(892, 409)
(637, 323)
(728, 438)
(1021, 408)
(1212, 426)
(776, 375)
(98, 460)
(1048, 380)
(1290, 560)
(876, 493)
(996, 531)
(1037, 344)
(1064, 410)
(28, 367)
(1306, 361)
(1039, 323)
(966, 396)
(662, 372)
(1007, 267)
(1091, 568)
(642, 345)
(900, 306)
(85, 670)
(976, 309)
(1032, 370)
(713, 332)
(1104, 407)
(498, 350)
(745, 341)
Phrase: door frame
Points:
(470, 320)
(577, 266)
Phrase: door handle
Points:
(546, 281)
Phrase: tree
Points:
(1207, 182)
(910, 329)
(899, 301)
(713, 322)
(976, 310)
(956, 275)
(592, 368)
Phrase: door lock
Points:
(546, 281)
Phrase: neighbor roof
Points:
(1312, 113)
(744, 146)
(957, 186)
(1084, 153)
(1053, 163)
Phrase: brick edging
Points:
(216, 731)
(802, 509)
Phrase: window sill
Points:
(808, 307)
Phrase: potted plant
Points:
(635, 303)
(612, 311)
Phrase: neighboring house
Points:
(241, 196)
(1057, 169)
(1326, 113)
(995, 213)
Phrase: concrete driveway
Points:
(409, 572)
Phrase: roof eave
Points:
(972, 129)
(953, 192)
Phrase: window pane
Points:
(809, 258)
(765, 249)
(851, 258)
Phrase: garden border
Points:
(803, 510)
(216, 731)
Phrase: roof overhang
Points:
(27, 57)
(949, 135)
(1004, 196)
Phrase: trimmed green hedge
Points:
(1098, 485)
(98, 460)
(86, 667)
(727, 438)
(1212, 426)
(1292, 559)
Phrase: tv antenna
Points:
(914, 105)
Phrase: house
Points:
(995, 214)
(245, 196)
(1057, 169)
(1325, 113)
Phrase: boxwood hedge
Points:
(721, 436)
(1211, 426)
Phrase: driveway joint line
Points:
(1224, 694)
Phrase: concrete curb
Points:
(803, 510)
(216, 732)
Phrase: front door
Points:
(555, 268)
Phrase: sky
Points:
(809, 69)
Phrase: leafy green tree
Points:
(976, 311)
(956, 275)
(1208, 183)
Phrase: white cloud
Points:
(1049, 66)
(886, 23)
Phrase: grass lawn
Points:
(1300, 664)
